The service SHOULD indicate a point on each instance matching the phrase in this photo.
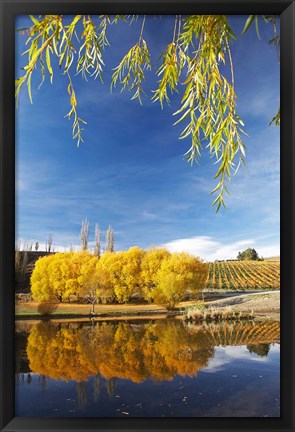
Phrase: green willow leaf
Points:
(248, 23)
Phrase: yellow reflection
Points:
(157, 350)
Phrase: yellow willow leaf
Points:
(73, 99)
(35, 21)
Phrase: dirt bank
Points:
(266, 305)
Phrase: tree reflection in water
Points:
(98, 355)
(157, 350)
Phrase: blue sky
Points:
(130, 171)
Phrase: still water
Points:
(156, 368)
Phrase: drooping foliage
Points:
(197, 63)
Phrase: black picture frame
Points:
(8, 10)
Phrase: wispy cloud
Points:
(262, 102)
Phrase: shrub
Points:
(47, 307)
(199, 305)
(196, 312)
(194, 315)
(213, 314)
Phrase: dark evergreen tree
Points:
(248, 254)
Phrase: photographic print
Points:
(147, 237)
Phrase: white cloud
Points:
(269, 251)
(209, 249)
(225, 355)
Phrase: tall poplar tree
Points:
(84, 234)
(97, 249)
(110, 240)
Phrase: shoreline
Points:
(261, 305)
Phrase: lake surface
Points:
(156, 368)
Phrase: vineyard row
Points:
(243, 275)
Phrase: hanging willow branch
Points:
(77, 121)
(197, 64)
(208, 103)
(130, 71)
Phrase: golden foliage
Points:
(150, 265)
(177, 274)
(58, 276)
(156, 274)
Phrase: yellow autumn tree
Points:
(72, 264)
(88, 281)
(109, 266)
(103, 278)
(41, 286)
(178, 274)
(122, 270)
(130, 281)
(95, 283)
(57, 276)
(150, 265)
(158, 275)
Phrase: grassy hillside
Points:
(244, 275)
